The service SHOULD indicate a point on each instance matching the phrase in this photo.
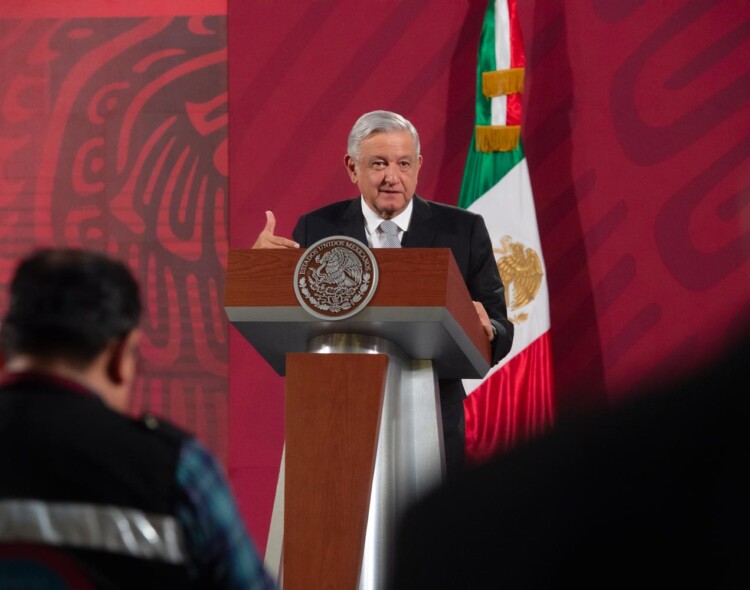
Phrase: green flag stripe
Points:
(484, 170)
(485, 63)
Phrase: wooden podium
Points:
(363, 433)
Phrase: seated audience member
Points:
(89, 497)
(652, 494)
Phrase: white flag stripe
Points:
(508, 209)
(499, 104)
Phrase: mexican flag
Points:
(516, 399)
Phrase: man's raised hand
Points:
(267, 239)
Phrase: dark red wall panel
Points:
(636, 131)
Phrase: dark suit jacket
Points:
(432, 225)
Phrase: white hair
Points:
(378, 122)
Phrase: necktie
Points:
(390, 234)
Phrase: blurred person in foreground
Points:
(653, 493)
(383, 160)
(89, 497)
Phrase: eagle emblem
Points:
(521, 270)
(335, 278)
(339, 267)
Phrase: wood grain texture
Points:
(333, 407)
(408, 277)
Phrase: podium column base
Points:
(406, 460)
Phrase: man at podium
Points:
(383, 159)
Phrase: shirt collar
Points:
(372, 219)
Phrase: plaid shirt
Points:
(221, 552)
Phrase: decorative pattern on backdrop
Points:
(637, 136)
(113, 136)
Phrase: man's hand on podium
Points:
(485, 319)
(267, 239)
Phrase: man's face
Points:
(386, 172)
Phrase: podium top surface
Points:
(421, 304)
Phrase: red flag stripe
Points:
(512, 403)
(517, 60)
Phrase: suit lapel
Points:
(421, 232)
(353, 222)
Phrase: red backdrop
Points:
(636, 130)
(636, 126)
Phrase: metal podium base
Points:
(409, 458)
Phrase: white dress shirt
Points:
(372, 221)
